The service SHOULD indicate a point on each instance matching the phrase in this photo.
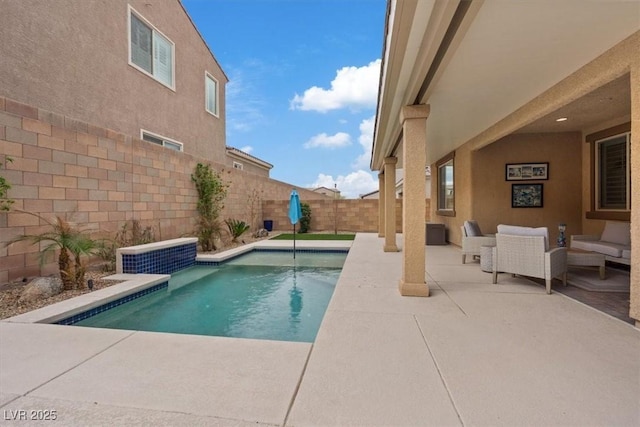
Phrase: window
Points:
(238, 165)
(446, 193)
(150, 51)
(211, 94)
(613, 173)
(160, 140)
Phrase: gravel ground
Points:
(10, 304)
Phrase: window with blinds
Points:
(160, 140)
(211, 94)
(150, 51)
(614, 175)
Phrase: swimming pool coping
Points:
(133, 283)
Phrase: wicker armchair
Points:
(527, 255)
(471, 244)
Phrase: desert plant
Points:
(305, 221)
(236, 228)
(211, 193)
(130, 234)
(5, 202)
(72, 243)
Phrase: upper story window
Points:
(160, 140)
(211, 94)
(613, 173)
(150, 51)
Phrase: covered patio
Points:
(470, 87)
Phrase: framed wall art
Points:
(527, 171)
(526, 195)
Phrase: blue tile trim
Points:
(160, 261)
(104, 307)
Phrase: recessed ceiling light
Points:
(561, 119)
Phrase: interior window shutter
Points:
(140, 44)
(613, 174)
(162, 59)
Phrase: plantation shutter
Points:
(140, 44)
(212, 90)
(162, 60)
(613, 173)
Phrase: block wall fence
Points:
(99, 178)
(357, 215)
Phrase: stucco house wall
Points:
(72, 58)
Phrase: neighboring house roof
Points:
(241, 155)
(321, 189)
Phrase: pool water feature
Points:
(259, 295)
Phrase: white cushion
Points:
(517, 230)
(617, 232)
(605, 248)
(472, 228)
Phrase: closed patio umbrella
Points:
(295, 213)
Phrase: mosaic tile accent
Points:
(104, 307)
(160, 261)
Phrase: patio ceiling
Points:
(475, 62)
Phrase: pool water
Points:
(260, 295)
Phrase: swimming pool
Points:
(260, 295)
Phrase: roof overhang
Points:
(476, 62)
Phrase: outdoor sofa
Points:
(614, 242)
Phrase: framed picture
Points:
(527, 171)
(526, 195)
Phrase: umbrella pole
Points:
(294, 241)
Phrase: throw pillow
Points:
(472, 228)
(617, 232)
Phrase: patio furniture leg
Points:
(495, 277)
(548, 282)
(564, 278)
(464, 258)
(602, 273)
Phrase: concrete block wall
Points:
(354, 215)
(99, 178)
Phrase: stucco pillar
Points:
(634, 306)
(390, 204)
(414, 162)
(381, 204)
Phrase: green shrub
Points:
(236, 228)
(305, 221)
(211, 193)
(5, 202)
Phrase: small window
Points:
(613, 173)
(159, 140)
(211, 94)
(446, 186)
(238, 165)
(150, 51)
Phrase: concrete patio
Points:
(473, 353)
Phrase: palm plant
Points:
(72, 243)
(236, 228)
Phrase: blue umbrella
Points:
(295, 213)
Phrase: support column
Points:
(381, 204)
(414, 161)
(390, 204)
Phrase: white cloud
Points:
(351, 186)
(353, 87)
(247, 149)
(366, 141)
(323, 140)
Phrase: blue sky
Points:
(303, 82)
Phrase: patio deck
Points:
(472, 354)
